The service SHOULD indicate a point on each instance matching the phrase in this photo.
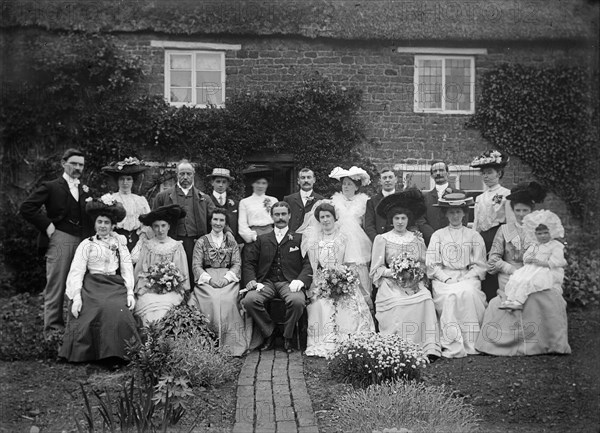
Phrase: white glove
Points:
(50, 230)
(296, 285)
(130, 302)
(76, 307)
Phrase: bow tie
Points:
(74, 182)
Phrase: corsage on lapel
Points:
(85, 188)
(267, 205)
(291, 237)
(497, 199)
(231, 202)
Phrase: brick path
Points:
(272, 395)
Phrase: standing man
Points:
(302, 201)
(62, 228)
(375, 224)
(197, 205)
(220, 179)
(434, 219)
(274, 266)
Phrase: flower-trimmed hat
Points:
(527, 192)
(220, 172)
(105, 205)
(257, 171)
(169, 213)
(490, 159)
(128, 167)
(543, 217)
(354, 173)
(411, 199)
(455, 199)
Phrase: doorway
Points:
(284, 174)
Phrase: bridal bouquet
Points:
(407, 271)
(336, 282)
(164, 277)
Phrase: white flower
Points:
(107, 199)
(85, 188)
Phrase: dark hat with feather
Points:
(410, 199)
(105, 206)
(527, 193)
(128, 167)
(170, 213)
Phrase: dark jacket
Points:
(434, 218)
(203, 206)
(298, 209)
(375, 224)
(231, 207)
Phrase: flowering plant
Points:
(164, 277)
(336, 282)
(108, 199)
(407, 270)
(368, 358)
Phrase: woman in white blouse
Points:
(100, 285)
(255, 211)
(456, 265)
(125, 174)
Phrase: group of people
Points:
(230, 259)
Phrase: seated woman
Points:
(217, 261)
(155, 298)
(100, 284)
(328, 323)
(541, 325)
(456, 265)
(404, 305)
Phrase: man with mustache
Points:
(375, 224)
(62, 228)
(434, 219)
(302, 201)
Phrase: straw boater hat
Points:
(454, 200)
(169, 213)
(527, 192)
(106, 205)
(354, 173)
(256, 171)
(490, 159)
(220, 172)
(128, 167)
(410, 199)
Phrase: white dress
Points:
(328, 324)
(350, 214)
(457, 253)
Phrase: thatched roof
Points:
(411, 20)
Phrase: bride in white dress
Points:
(327, 246)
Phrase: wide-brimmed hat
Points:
(548, 218)
(128, 167)
(257, 171)
(220, 172)
(169, 213)
(527, 192)
(454, 199)
(105, 205)
(410, 199)
(490, 159)
(354, 173)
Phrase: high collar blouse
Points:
(135, 205)
(254, 211)
(491, 208)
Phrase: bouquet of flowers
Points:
(336, 282)
(407, 271)
(164, 277)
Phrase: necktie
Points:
(73, 187)
(221, 200)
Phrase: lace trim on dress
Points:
(163, 249)
(394, 237)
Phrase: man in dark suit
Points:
(375, 224)
(220, 179)
(196, 204)
(274, 266)
(302, 201)
(62, 228)
(434, 219)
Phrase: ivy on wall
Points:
(545, 116)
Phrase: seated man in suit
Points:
(302, 201)
(434, 219)
(274, 266)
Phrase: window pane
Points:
(458, 84)
(208, 79)
(471, 181)
(208, 62)
(181, 95)
(181, 79)
(209, 95)
(181, 61)
(429, 84)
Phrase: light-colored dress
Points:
(217, 256)
(131, 227)
(457, 253)
(351, 215)
(150, 306)
(105, 322)
(254, 211)
(540, 327)
(399, 310)
(328, 323)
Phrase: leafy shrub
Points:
(184, 321)
(409, 405)
(581, 286)
(201, 364)
(366, 359)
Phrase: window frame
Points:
(453, 170)
(167, 73)
(443, 58)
